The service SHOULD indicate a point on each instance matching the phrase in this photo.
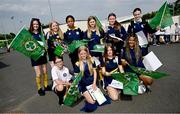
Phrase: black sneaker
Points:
(41, 92)
(48, 88)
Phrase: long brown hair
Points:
(31, 29)
(137, 49)
(51, 32)
(89, 60)
(106, 50)
(89, 32)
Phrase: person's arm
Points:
(81, 33)
(95, 76)
(104, 72)
(130, 28)
(123, 31)
(76, 68)
(102, 37)
(95, 79)
(120, 65)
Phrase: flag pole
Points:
(163, 14)
(49, 3)
(16, 36)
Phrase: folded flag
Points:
(59, 50)
(76, 44)
(27, 45)
(130, 82)
(100, 26)
(152, 74)
(73, 92)
(98, 48)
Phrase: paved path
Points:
(18, 90)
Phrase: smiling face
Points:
(59, 63)
(109, 52)
(112, 20)
(35, 25)
(92, 23)
(132, 42)
(70, 22)
(137, 15)
(55, 27)
(83, 55)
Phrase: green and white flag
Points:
(59, 50)
(163, 17)
(152, 74)
(73, 92)
(98, 22)
(27, 45)
(76, 44)
(130, 82)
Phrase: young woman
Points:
(137, 25)
(54, 38)
(133, 56)
(110, 64)
(94, 35)
(61, 78)
(117, 30)
(72, 33)
(86, 65)
(40, 66)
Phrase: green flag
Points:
(152, 74)
(163, 17)
(73, 92)
(130, 82)
(27, 45)
(98, 48)
(76, 44)
(99, 24)
(59, 50)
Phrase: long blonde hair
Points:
(89, 32)
(89, 60)
(137, 49)
(51, 32)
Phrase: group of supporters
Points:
(117, 55)
(166, 35)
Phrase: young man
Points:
(61, 78)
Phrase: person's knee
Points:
(91, 101)
(114, 97)
(59, 87)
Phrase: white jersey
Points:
(167, 30)
(60, 74)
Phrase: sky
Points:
(16, 13)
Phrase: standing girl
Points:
(115, 29)
(94, 35)
(41, 63)
(54, 38)
(72, 33)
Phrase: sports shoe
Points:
(41, 92)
